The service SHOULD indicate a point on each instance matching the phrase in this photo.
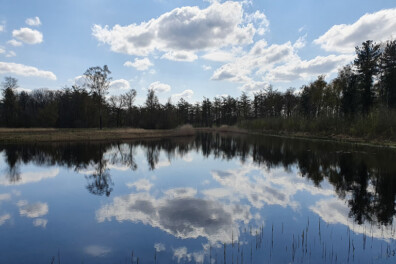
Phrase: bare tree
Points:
(98, 81)
(117, 103)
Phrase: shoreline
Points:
(46, 135)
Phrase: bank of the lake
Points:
(31, 135)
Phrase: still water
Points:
(205, 199)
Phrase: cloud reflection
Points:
(4, 218)
(97, 251)
(33, 210)
(335, 211)
(182, 216)
(30, 177)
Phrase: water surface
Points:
(205, 199)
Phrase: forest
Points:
(359, 101)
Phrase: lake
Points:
(210, 198)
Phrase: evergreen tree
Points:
(367, 67)
(388, 74)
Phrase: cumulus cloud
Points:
(221, 55)
(120, 84)
(2, 28)
(14, 42)
(186, 94)
(24, 70)
(141, 185)
(139, 64)
(2, 50)
(159, 87)
(259, 59)
(250, 182)
(260, 19)
(254, 86)
(183, 217)
(27, 35)
(336, 211)
(34, 21)
(378, 26)
(305, 69)
(32, 210)
(29, 177)
(180, 56)
(182, 29)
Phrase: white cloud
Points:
(29, 177)
(336, 211)
(260, 19)
(140, 65)
(14, 42)
(303, 69)
(182, 29)
(2, 50)
(2, 28)
(20, 69)
(180, 56)
(260, 59)
(180, 192)
(27, 35)
(141, 185)
(40, 222)
(4, 218)
(186, 94)
(21, 89)
(120, 84)
(253, 86)
(260, 187)
(159, 247)
(219, 55)
(10, 54)
(206, 67)
(34, 21)
(5, 197)
(32, 210)
(182, 217)
(159, 87)
(97, 251)
(379, 26)
(181, 254)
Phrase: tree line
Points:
(360, 88)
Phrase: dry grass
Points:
(185, 130)
(14, 135)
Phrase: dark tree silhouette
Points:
(99, 82)
(367, 67)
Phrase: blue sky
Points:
(186, 48)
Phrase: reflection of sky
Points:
(178, 211)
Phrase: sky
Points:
(187, 49)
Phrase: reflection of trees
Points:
(100, 182)
(363, 176)
(13, 172)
